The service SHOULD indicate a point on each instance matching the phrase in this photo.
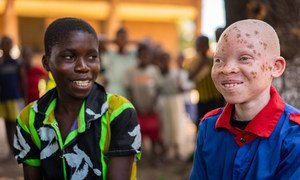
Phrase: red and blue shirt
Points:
(268, 148)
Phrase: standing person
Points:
(200, 73)
(186, 132)
(33, 74)
(12, 83)
(218, 33)
(171, 107)
(186, 87)
(256, 135)
(143, 83)
(102, 53)
(117, 62)
(76, 130)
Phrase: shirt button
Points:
(242, 140)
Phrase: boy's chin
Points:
(234, 100)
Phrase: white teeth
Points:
(82, 83)
(230, 85)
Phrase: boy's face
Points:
(121, 39)
(74, 64)
(243, 66)
(6, 45)
(144, 57)
(201, 46)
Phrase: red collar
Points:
(261, 125)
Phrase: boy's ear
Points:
(45, 62)
(279, 67)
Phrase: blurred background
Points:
(169, 27)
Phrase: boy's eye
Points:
(92, 57)
(244, 58)
(68, 57)
(217, 60)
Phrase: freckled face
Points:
(242, 67)
(74, 64)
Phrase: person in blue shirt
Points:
(256, 135)
(13, 85)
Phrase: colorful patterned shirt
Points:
(107, 126)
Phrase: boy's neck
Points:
(142, 66)
(248, 110)
(122, 50)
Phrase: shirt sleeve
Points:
(198, 168)
(125, 131)
(289, 167)
(25, 150)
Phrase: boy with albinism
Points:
(256, 135)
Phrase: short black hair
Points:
(218, 33)
(202, 39)
(60, 29)
(6, 39)
(120, 31)
(142, 47)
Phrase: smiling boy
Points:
(256, 135)
(76, 130)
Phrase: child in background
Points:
(76, 130)
(12, 85)
(186, 128)
(33, 74)
(173, 116)
(117, 62)
(186, 88)
(256, 135)
(143, 83)
(200, 73)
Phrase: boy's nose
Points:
(230, 67)
(80, 65)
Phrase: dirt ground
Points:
(172, 170)
(147, 170)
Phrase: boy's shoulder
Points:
(212, 113)
(294, 114)
(116, 101)
(24, 114)
(295, 117)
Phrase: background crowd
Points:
(170, 94)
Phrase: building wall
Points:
(156, 19)
(173, 2)
(164, 33)
(1, 23)
(31, 32)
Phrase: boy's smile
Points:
(231, 83)
(82, 83)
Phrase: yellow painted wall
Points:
(174, 2)
(143, 18)
(165, 33)
(31, 32)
